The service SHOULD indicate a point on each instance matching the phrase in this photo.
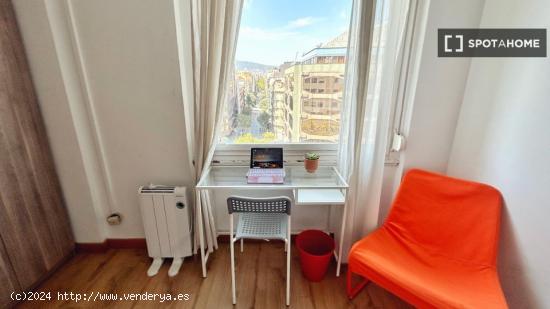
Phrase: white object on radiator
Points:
(166, 220)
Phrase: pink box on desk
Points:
(265, 179)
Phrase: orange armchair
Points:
(438, 246)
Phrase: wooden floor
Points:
(260, 282)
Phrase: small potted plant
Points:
(311, 162)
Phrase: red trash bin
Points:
(316, 248)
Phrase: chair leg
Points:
(288, 263)
(232, 249)
(242, 240)
(353, 291)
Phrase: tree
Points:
(264, 119)
(268, 137)
(250, 100)
(260, 84)
(264, 104)
(246, 138)
(247, 110)
(244, 120)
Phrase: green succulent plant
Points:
(312, 156)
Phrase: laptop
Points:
(266, 166)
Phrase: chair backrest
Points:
(448, 217)
(279, 204)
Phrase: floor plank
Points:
(260, 282)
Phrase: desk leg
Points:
(198, 212)
(341, 241)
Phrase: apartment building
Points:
(314, 95)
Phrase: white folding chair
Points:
(260, 218)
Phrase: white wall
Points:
(130, 56)
(503, 139)
(107, 79)
(440, 88)
(430, 118)
(59, 99)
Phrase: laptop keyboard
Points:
(265, 175)
(259, 172)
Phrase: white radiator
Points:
(166, 220)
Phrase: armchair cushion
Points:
(438, 246)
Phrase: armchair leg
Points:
(353, 291)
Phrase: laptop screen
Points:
(266, 158)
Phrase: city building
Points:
(276, 89)
(314, 92)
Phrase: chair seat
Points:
(424, 279)
(262, 226)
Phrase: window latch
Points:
(398, 142)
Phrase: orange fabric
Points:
(438, 246)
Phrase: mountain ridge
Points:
(253, 66)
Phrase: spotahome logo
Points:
(491, 43)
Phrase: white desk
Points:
(324, 187)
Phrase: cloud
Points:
(302, 22)
(291, 29)
(274, 45)
(264, 34)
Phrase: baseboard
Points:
(126, 243)
(137, 243)
(91, 247)
(111, 243)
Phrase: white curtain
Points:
(376, 34)
(214, 32)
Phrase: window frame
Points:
(239, 154)
(403, 94)
(293, 153)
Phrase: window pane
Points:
(289, 74)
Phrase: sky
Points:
(275, 31)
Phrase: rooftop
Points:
(335, 47)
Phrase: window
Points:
(278, 40)
(288, 79)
